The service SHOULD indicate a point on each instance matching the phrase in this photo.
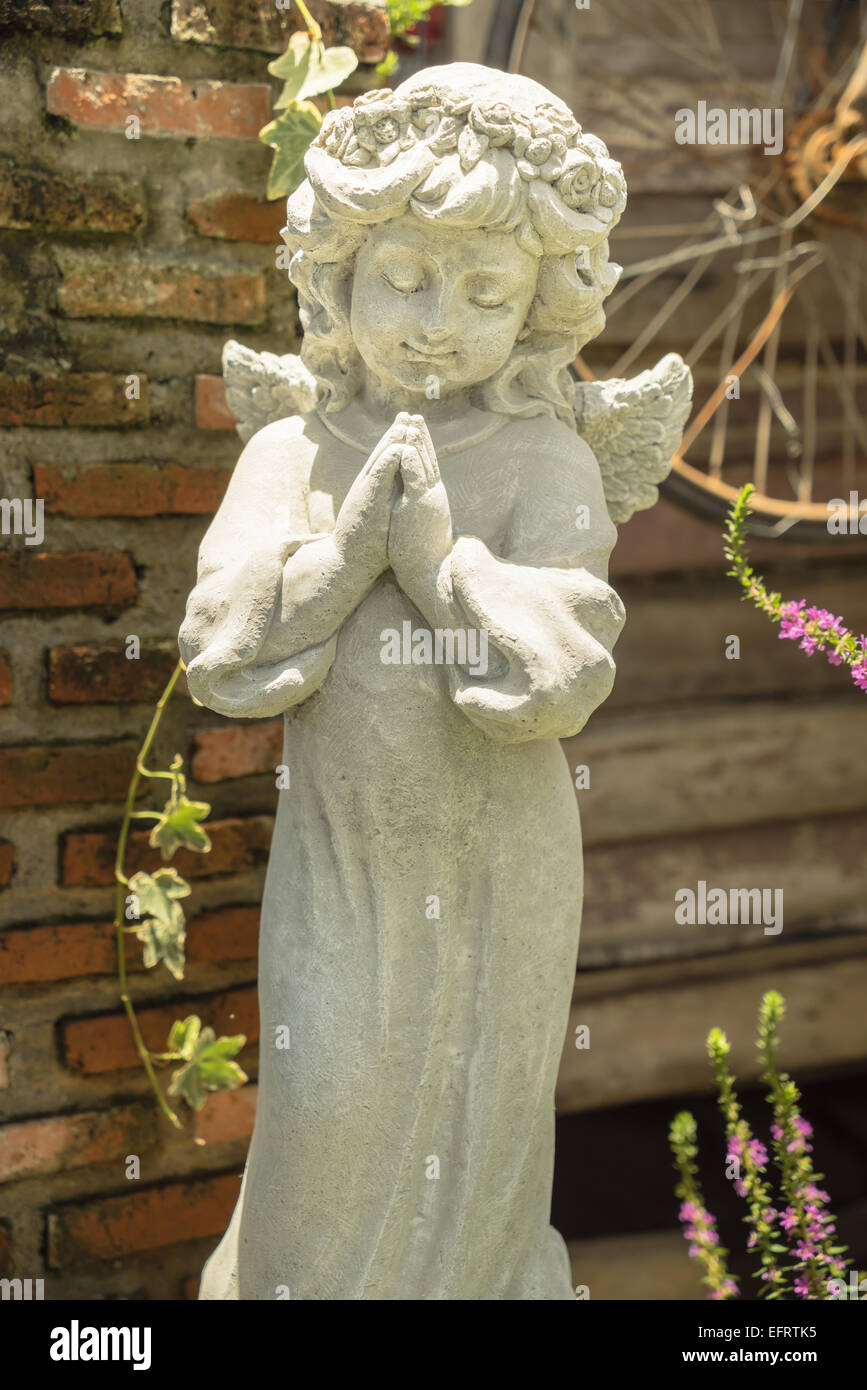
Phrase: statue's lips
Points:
(425, 355)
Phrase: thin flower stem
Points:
(310, 24)
(122, 882)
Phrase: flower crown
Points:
(548, 144)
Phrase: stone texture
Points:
(130, 489)
(38, 955)
(406, 505)
(360, 24)
(37, 1148)
(64, 202)
(104, 1043)
(95, 674)
(114, 1226)
(211, 408)
(238, 216)
(57, 401)
(90, 579)
(165, 106)
(130, 290)
(49, 774)
(71, 19)
(238, 844)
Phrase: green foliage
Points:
(179, 823)
(405, 14)
(162, 927)
(207, 1061)
(308, 69)
(790, 1225)
(290, 135)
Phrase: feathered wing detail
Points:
(262, 387)
(633, 428)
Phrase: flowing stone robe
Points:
(418, 1045)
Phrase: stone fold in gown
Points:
(403, 1146)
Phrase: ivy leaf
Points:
(178, 825)
(388, 66)
(308, 69)
(207, 1061)
(162, 926)
(290, 135)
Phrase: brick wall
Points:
(125, 264)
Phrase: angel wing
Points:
(262, 387)
(633, 428)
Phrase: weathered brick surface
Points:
(48, 775)
(86, 579)
(228, 1115)
(165, 106)
(212, 410)
(362, 24)
(238, 216)
(87, 856)
(5, 681)
(7, 862)
(66, 202)
(103, 1043)
(38, 955)
(130, 290)
(130, 489)
(37, 1148)
(237, 750)
(111, 1227)
(74, 19)
(73, 399)
(94, 674)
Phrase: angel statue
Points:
(410, 565)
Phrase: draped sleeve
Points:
(550, 616)
(233, 664)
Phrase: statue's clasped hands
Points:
(397, 513)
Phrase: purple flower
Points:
(859, 676)
(789, 1219)
(802, 1288)
(758, 1153)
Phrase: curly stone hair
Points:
(470, 148)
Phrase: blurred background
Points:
(127, 260)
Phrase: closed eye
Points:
(408, 287)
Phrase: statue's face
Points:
(436, 309)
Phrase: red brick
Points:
(165, 106)
(212, 411)
(87, 856)
(7, 860)
(238, 216)
(39, 955)
(68, 203)
(53, 774)
(237, 751)
(130, 489)
(103, 1042)
(5, 682)
(131, 290)
(92, 674)
(36, 1148)
(109, 1227)
(259, 24)
(228, 1115)
(77, 19)
(92, 399)
(86, 579)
